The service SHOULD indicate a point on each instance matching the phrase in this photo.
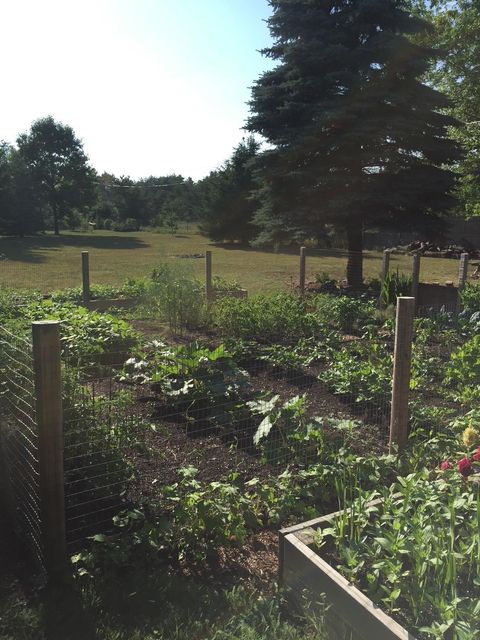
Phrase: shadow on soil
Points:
(26, 249)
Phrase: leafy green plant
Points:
(416, 552)
(463, 371)
(223, 284)
(176, 297)
(285, 432)
(86, 333)
(345, 313)
(202, 384)
(394, 284)
(265, 318)
(470, 297)
(360, 374)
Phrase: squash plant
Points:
(201, 384)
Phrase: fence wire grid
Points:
(19, 441)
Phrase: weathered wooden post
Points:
(49, 414)
(401, 372)
(416, 276)
(384, 273)
(462, 279)
(85, 278)
(303, 255)
(208, 277)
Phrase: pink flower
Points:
(476, 455)
(465, 467)
(446, 464)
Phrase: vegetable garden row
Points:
(187, 426)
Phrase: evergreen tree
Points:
(20, 206)
(228, 206)
(357, 139)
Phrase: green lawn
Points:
(46, 262)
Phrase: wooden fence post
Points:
(401, 372)
(49, 414)
(303, 255)
(385, 270)
(85, 278)
(462, 279)
(416, 276)
(208, 277)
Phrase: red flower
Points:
(446, 464)
(476, 455)
(465, 467)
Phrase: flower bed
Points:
(412, 550)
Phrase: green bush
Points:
(360, 374)
(343, 312)
(266, 318)
(463, 370)
(176, 297)
(85, 333)
(471, 297)
(223, 284)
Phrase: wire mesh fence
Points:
(19, 441)
(225, 408)
(223, 403)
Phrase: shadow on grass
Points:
(26, 249)
(291, 251)
(64, 615)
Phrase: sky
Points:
(152, 87)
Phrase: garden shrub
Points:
(176, 297)
(360, 374)
(202, 384)
(470, 297)
(344, 313)
(463, 370)
(266, 318)
(85, 333)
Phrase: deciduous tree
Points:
(59, 167)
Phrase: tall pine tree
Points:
(227, 197)
(357, 139)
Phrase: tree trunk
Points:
(355, 254)
(56, 229)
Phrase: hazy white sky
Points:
(152, 87)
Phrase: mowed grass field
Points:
(46, 262)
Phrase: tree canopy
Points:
(456, 32)
(58, 167)
(227, 203)
(356, 137)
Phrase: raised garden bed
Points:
(233, 293)
(307, 577)
(103, 304)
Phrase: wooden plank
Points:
(462, 279)
(85, 277)
(49, 415)
(385, 270)
(208, 277)
(415, 275)
(303, 256)
(401, 372)
(305, 571)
